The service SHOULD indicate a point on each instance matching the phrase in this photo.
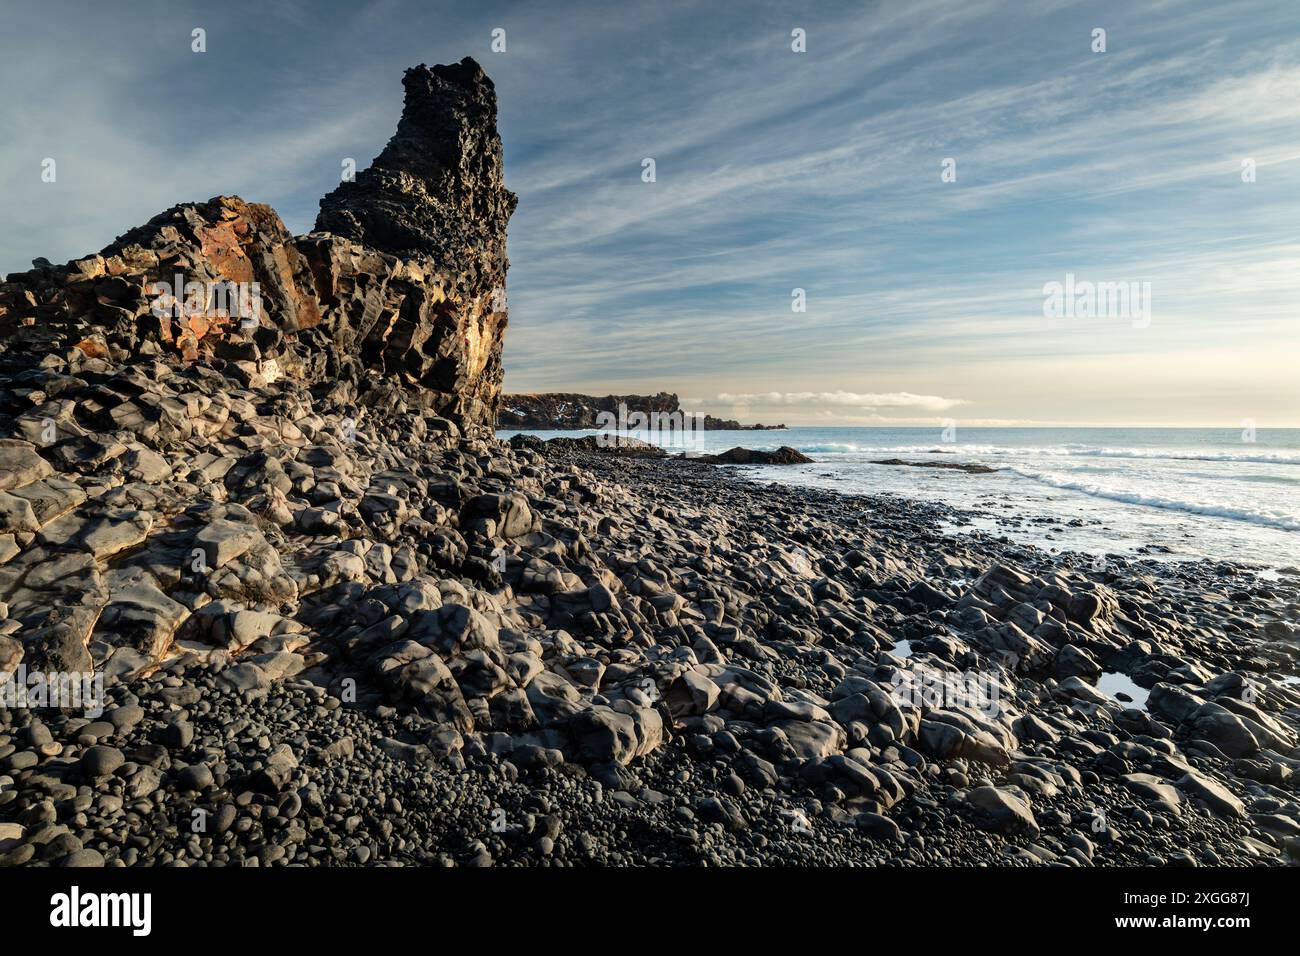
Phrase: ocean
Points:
(1172, 493)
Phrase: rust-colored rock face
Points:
(121, 303)
(403, 281)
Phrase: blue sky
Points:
(775, 170)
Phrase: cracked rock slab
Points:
(20, 464)
(103, 535)
(142, 617)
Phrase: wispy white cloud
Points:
(933, 403)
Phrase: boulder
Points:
(1224, 729)
(1213, 794)
(691, 694)
(1001, 811)
(785, 455)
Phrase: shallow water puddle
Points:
(1113, 683)
(902, 649)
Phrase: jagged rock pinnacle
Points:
(436, 189)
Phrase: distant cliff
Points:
(570, 410)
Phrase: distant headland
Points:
(571, 410)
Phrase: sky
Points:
(916, 178)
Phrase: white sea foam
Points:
(1064, 451)
(1193, 492)
(1279, 458)
(1098, 489)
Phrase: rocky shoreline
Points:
(498, 655)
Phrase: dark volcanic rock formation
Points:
(621, 446)
(969, 468)
(402, 283)
(732, 425)
(436, 195)
(565, 410)
(436, 190)
(785, 455)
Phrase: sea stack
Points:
(435, 198)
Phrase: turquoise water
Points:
(1205, 492)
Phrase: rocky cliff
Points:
(401, 283)
(153, 394)
(566, 410)
(570, 410)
